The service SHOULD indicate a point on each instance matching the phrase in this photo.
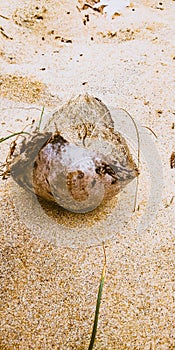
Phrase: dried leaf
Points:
(172, 160)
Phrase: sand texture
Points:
(51, 260)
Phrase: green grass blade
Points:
(41, 117)
(100, 290)
(12, 135)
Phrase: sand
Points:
(51, 268)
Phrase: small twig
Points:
(6, 165)
(94, 331)
(86, 5)
(171, 202)
(4, 34)
(4, 17)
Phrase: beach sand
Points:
(51, 51)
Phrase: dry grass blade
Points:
(138, 156)
(147, 127)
